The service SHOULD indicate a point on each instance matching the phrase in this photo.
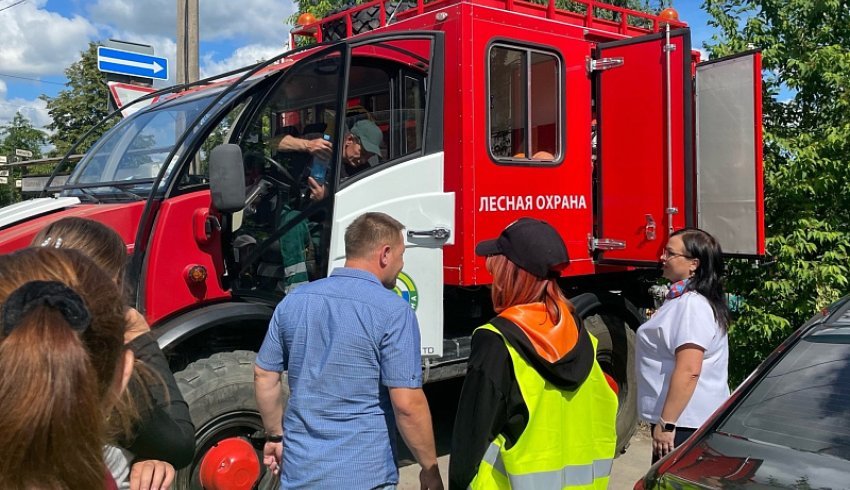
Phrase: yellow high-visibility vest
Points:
(568, 442)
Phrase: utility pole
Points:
(187, 57)
(187, 41)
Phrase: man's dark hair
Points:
(370, 230)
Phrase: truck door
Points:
(729, 152)
(394, 82)
(644, 153)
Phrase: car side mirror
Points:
(227, 178)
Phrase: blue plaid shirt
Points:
(344, 341)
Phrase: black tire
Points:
(364, 20)
(220, 394)
(335, 30)
(615, 351)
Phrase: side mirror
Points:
(227, 178)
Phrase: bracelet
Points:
(274, 438)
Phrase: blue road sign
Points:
(128, 63)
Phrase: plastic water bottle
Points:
(319, 169)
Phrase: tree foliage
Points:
(81, 106)
(806, 60)
(18, 134)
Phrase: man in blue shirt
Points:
(351, 350)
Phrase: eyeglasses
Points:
(669, 254)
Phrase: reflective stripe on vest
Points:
(572, 475)
(568, 442)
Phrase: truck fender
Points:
(174, 331)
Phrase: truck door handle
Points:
(438, 233)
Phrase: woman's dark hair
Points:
(708, 277)
(97, 241)
(58, 366)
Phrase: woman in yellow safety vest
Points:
(536, 410)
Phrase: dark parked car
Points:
(786, 426)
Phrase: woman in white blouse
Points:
(682, 352)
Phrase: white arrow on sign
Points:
(154, 66)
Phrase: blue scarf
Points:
(677, 289)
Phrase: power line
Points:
(7, 7)
(31, 79)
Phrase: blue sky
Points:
(42, 37)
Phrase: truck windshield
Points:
(129, 157)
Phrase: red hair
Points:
(513, 286)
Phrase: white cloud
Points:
(259, 20)
(703, 54)
(250, 20)
(35, 110)
(154, 17)
(37, 42)
(246, 55)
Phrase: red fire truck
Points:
(603, 123)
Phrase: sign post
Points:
(23, 153)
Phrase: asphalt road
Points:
(443, 397)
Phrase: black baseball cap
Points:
(533, 245)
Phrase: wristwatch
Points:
(666, 426)
(274, 438)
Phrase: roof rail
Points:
(606, 19)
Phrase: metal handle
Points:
(438, 233)
(605, 243)
(649, 231)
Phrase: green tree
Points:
(18, 134)
(806, 83)
(81, 106)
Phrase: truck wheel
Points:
(614, 353)
(220, 394)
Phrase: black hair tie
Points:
(48, 293)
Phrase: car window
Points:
(803, 402)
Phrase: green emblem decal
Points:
(406, 288)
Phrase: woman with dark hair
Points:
(163, 438)
(682, 352)
(536, 408)
(63, 364)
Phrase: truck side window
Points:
(197, 173)
(387, 87)
(282, 220)
(525, 99)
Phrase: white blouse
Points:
(687, 319)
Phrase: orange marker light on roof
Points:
(306, 18)
(669, 14)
